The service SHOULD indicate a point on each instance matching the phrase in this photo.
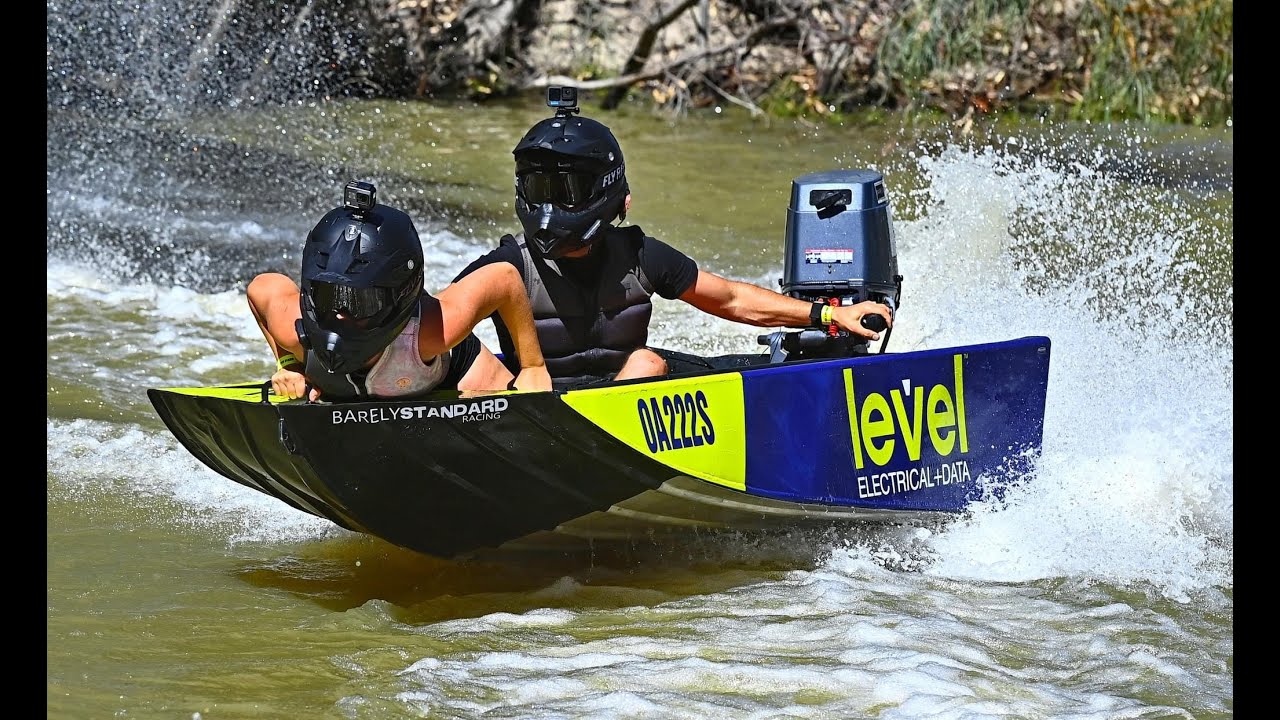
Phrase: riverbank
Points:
(1150, 60)
(1168, 61)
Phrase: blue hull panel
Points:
(907, 431)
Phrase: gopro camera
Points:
(562, 98)
(360, 196)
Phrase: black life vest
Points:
(589, 330)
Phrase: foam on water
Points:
(1135, 481)
(166, 305)
(852, 639)
(92, 458)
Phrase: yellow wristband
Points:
(826, 314)
(285, 361)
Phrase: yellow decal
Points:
(244, 393)
(876, 423)
(694, 425)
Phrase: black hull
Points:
(437, 486)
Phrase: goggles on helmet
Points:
(352, 304)
(563, 188)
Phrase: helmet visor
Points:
(343, 304)
(559, 188)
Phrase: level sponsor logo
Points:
(882, 423)
(490, 409)
(676, 421)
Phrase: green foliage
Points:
(785, 98)
(1161, 60)
(946, 34)
(1171, 61)
(589, 71)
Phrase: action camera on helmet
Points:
(562, 98)
(360, 196)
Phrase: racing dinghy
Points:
(816, 430)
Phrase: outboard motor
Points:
(840, 249)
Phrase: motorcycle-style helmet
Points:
(570, 183)
(361, 278)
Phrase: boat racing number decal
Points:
(695, 425)
(879, 421)
(675, 422)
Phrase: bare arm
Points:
(493, 288)
(274, 302)
(754, 305)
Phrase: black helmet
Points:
(361, 278)
(570, 183)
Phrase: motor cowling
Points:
(840, 249)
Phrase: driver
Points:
(591, 282)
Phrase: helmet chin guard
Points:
(555, 241)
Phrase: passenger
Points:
(362, 325)
(590, 282)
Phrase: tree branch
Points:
(623, 81)
(644, 46)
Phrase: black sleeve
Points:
(671, 271)
(502, 253)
